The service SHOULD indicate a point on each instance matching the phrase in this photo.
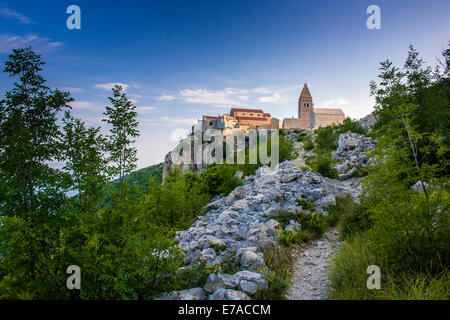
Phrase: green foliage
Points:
(306, 205)
(51, 217)
(287, 238)
(323, 164)
(229, 264)
(141, 177)
(32, 192)
(326, 139)
(122, 118)
(219, 179)
(308, 145)
(351, 125)
(177, 202)
(125, 255)
(285, 148)
(353, 217)
(403, 231)
(279, 261)
(412, 233)
(314, 222)
(348, 277)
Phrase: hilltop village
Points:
(245, 119)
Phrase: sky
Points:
(179, 60)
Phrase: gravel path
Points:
(309, 280)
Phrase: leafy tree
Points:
(83, 149)
(121, 115)
(32, 191)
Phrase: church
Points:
(310, 117)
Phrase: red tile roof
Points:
(251, 118)
(246, 110)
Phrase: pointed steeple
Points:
(306, 108)
(305, 95)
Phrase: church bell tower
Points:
(306, 108)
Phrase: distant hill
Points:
(139, 178)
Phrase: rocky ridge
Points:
(240, 225)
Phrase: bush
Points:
(219, 179)
(351, 125)
(287, 238)
(312, 222)
(413, 233)
(306, 205)
(323, 164)
(353, 218)
(326, 139)
(279, 261)
(348, 277)
(308, 145)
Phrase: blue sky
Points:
(179, 60)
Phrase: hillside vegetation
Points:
(56, 216)
(402, 221)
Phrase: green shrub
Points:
(413, 233)
(326, 139)
(353, 217)
(229, 264)
(348, 277)
(351, 125)
(306, 205)
(343, 205)
(279, 269)
(219, 179)
(323, 164)
(308, 145)
(312, 222)
(287, 238)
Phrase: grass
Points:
(348, 278)
(306, 205)
(304, 167)
(278, 273)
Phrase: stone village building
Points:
(310, 117)
(245, 119)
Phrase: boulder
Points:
(228, 294)
(188, 294)
(220, 280)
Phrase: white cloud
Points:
(263, 90)
(335, 102)
(108, 86)
(273, 98)
(10, 41)
(86, 105)
(5, 12)
(228, 96)
(182, 121)
(234, 97)
(145, 108)
(166, 98)
(167, 122)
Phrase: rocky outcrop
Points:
(240, 225)
(350, 153)
(236, 228)
(169, 165)
(368, 121)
